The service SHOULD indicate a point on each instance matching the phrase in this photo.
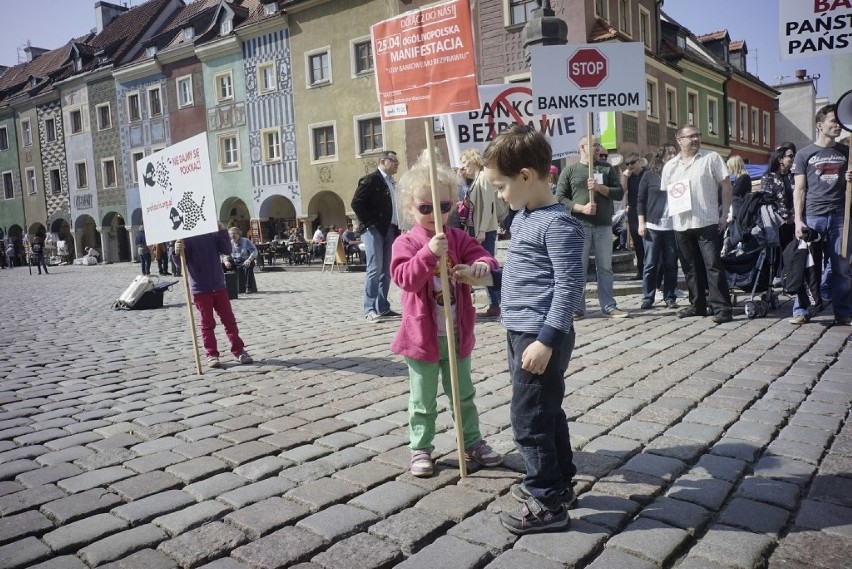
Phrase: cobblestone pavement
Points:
(698, 446)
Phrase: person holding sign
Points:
(692, 179)
(543, 282)
(422, 336)
(588, 189)
(207, 282)
(375, 204)
(821, 172)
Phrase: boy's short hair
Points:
(518, 147)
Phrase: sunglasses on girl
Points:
(427, 208)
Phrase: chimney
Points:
(801, 74)
(106, 13)
(34, 52)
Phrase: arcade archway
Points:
(116, 240)
(326, 208)
(278, 215)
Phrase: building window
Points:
(712, 116)
(55, 182)
(32, 185)
(188, 33)
(108, 171)
(229, 152)
(671, 105)
(271, 139)
(134, 158)
(76, 120)
(82, 173)
(754, 126)
(224, 87)
(270, 9)
(184, 91)
(50, 130)
(520, 11)
(4, 138)
(362, 55)
(765, 128)
(8, 185)
(624, 16)
(600, 8)
(134, 112)
(369, 135)
(732, 118)
(266, 77)
(743, 121)
(651, 99)
(645, 27)
(26, 132)
(319, 68)
(631, 128)
(226, 27)
(155, 105)
(692, 108)
(323, 142)
(151, 51)
(104, 116)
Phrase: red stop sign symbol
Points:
(587, 68)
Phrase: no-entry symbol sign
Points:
(587, 68)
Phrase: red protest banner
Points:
(425, 62)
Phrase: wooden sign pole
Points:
(445, 291)
(190, 314)
(590, 155)
(847, 205)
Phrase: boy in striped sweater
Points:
(542, 287)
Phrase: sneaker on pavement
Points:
(843, 320)
(213, 361)
(373, 317)
(483, 454)
(671, 303)
(647, 304)
(521, 494)
(421, 463)
(244, 357)
(681, 293)
(532, 516)
(391, 313)
(798, 320)
(615, 312)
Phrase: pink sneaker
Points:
(421, 463)
(483, 454)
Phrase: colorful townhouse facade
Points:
(284, 91)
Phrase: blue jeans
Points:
(600, 237)
(377, 280)
(830, 228)
(490, 245)
(660, 257)
(538, 421)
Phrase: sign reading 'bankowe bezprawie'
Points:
(176, 191)
(424, 62)
(589, 78)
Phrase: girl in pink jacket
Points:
(422, 337)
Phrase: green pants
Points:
(423, 399)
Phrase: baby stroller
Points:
(750, 250)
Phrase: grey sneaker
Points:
(532, 516)
(798, 320)
(213, 361)
(615, 312)
(373, 317)
(521, 494)
(244, 357)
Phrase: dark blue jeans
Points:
(538, 421)
(660, 262)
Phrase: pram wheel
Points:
(761, 308)
(750, 309)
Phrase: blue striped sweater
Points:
(543, 278)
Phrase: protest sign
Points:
(809, 28)
(176, 191)
(589, 78)
(425, 62)
(679, 196)
(500, 107)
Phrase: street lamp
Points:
(544, 29)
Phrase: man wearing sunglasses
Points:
(630, 178)
(375, 204)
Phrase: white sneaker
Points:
(616, 313)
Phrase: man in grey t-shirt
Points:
(821, 172)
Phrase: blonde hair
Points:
(473, 157)
(415, 182)
(736, 166)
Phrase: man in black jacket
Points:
(375, 205)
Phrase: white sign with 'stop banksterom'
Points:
(176, 191)
(589, 77)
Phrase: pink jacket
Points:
(412, 268)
